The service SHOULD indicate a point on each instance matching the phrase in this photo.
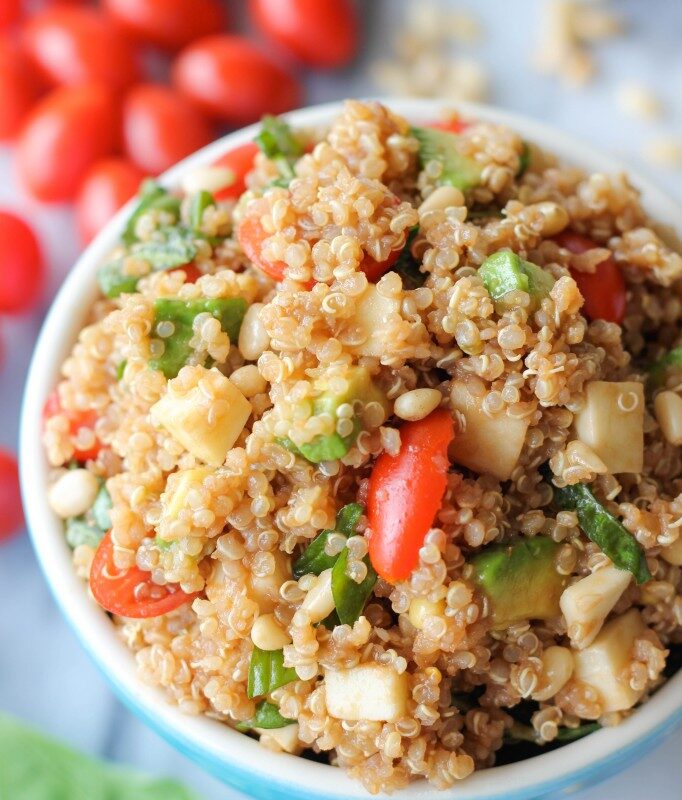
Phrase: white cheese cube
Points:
(491, 445)
(588, 602)
(372, 312)
(204, 412)
(369, 691)
(603, 664)
(612, 424)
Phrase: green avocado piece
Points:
(459, 171)
(520, 580)
(229, 310)
(505, 271)
(332, 446)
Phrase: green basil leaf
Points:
(659, 369)
(267, 716)
(350, 597)
(347, 518)
(113, 282)
(35, 767)
(276, 139)
(267, 672)
(198, 204)
(314, 560)
(101, 508)
(173, 248)
(571, 734)
(120, 369)
(152, 196)
(79, 532)
(407, 266)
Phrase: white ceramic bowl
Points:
(233, 757)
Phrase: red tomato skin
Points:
(603, 290)
(20, 88)
(161, 127)
(12, 517)
(375, 269)
(67, 132)
(106, 188)
(10, 13)
(77, 420)
(73, 45)
(454, 125)
(240, 161)
(170, 24)
(232, 80)
(321, 33)
(22, 267)
(405, 493)
(115, 590)
(250, 235)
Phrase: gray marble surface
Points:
(45, 678)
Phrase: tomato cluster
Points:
(88, 125)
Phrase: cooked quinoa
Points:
(212, 423)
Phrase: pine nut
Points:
(668, 410)
(253, 338)
(555, 217)
(249, 381)
(268, 634)
(73, 493)
(417, 404)
(208, 179)
(441, 198)
(421, 608)
(319, 602)
(557, 668)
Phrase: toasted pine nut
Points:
(668, 410)
(557, 668)
(319, 602)
(417, 404)
(268, 634)
(441, 198)
(555, 217)
(253, 338)
(73, 493)
(248, 380)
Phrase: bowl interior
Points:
(231, 755)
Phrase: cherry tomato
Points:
(240, 161)
(22, 268)
(322, 33)
(131, 592)
(405, 493)
(192, 273)
(251, 235)
(161, 127)
(10, 13)
(12, 517)
(603, 289)
(77, 420)
(106, 188)
(375, 269)
(231, 79)
(79, 45)
(67, 132)
(452, 125)
(168, 23)
(20, 88)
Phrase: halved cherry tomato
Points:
(452, 125)
(603, 289)
(192, 274)
(22, 268)
(322, 33)
(20, 87)
(77, 420)
(375, 269)
(251, 235)
(67, 132)
(168, 23)
(12, 517)
(106, 188)
(131, 592)
(10, 13)
(79, 45)
(161, 127)
(240, 161)
(405, 493)
(231, 79)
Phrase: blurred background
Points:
(96, 95)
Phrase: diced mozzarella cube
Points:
(205, 417)
(369, 691)
(612, 424)
(491, 445)
(586, 603)
(285, 738)
(603, 664)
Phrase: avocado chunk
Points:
(182, 313)
(458, 170)
(520, 580)
(505, 272)
(327, 447)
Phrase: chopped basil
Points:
(152, 196)
(571, 734)
(279, 143)
(658, 370)
(120, 369)
(407, 266)
(348, 517)
(350, 597)
(113, 281)
(198, 204)
(174, 247)
(267, 672)
(314, 560)
(267, 716)
(79, 532)
(524, 160)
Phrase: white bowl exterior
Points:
(219, 748)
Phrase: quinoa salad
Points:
(371, 445)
